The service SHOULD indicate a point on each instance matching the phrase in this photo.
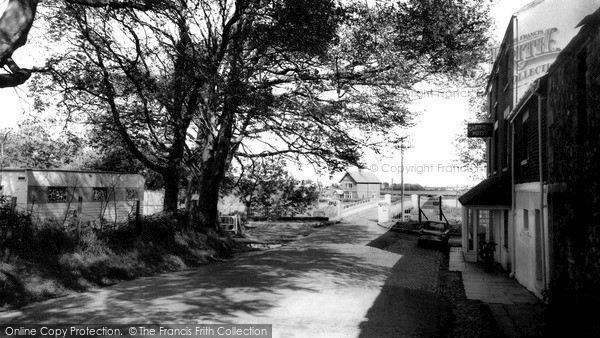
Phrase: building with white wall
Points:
(58, 194)
(360, 185)
(510, 207)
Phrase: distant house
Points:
(360, 184)
(57, 194)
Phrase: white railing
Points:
(231, 223)
(357, 203)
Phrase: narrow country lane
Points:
(328, 284)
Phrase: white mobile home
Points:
(57, 194)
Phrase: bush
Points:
(50, 259)
(16, 231)
(52, 239)
(24, 238)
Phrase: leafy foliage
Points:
(471, 151)
(189, 86)
(267, 188)
(33, 145)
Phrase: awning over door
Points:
(493, 191)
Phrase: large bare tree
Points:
(188, 86)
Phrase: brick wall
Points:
(574, 171)
(526, 143)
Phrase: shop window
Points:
(470, 228)
(524, 153)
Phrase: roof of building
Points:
(80, 171)
(362, 177)
(493, 191)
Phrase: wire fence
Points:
(97, 214)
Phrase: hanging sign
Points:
(480, 130)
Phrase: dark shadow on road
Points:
(408, 305)
(404, 312)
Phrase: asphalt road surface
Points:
(345, 280)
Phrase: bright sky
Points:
(431, 159)
(428, 162)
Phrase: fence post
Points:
(9, 229)
(339, 209)
(138, 224)
(419, 206)
(383, 212)
(79, 209)
(441, 208)
(137, 211)
(13, 205)
(79, 204)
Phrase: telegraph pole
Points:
(402, 182)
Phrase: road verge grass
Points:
(48, 260)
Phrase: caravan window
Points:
(57, 194)
(100, 194)
(131, 194)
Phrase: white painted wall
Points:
(368, 190)
(153, 201)
(527, 198)
(504, 254)
(31, 189)
(14, 187)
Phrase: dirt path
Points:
(328, 284)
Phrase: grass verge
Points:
(47, 260)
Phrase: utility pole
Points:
(402, 182)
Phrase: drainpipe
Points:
(541, 170)
(513, 200)
(512, 150)
(515, 71)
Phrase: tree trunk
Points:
(212, 173)
(188, 194)
(171, 178)
(208, 199)
(248, 208)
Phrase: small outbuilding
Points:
(60, 194)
